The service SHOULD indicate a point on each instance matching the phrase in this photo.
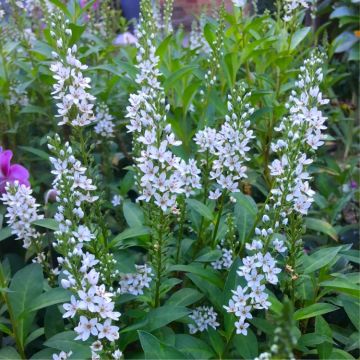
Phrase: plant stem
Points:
(159, 250)
(218, 219)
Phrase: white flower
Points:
(117, 354)
(241, 327)
(108, 331)
(86, 328)
(203, 317)
(71, 308)
(83, 234)
(62, 355)
(116, 200)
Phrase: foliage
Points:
(159, 184)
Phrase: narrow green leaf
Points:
(246, 346)
(200, 208)
(133, 214)
(314, 310)
(208, 274)
(129, 234)
(65, 342)
(50, 224)
(52, 297)
(178, 75)
(26, 285)
(321, 226)
(154, 349)
(184, 297)
(193, 347)
(299, 36)
(320, 258)
(5, 233)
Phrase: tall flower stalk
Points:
(290, 197)
(162, 177)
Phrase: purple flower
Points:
(11, 173)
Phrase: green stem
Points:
(218, 219)
(159, 259)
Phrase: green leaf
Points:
(200, 208)
(321, 226)
(5, 329)
(245, 214)
(341, 11)
(33, 109)
(184, 297)
(50, 224)
(342, 285)
(352, 310)
(208, 274)
(77, 31)
(9, 353)
(64, 341)
(339, 354)
(325, 348)
(216, 341)
(193, 347)
(161, 50)
(38, 152)
(52, 297)
(314, 310)
(299, 36)
(34, 335)
(154, 349)
(5, 233)
(26, 285)
(133, 214)
(129, 234)
(246, 346)
(164, 315)
(177, 75)
(320, 258)
(209, 256)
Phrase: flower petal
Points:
(18, 172)
(5, 158)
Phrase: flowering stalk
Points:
(226, 149)
(168, 11)
(161, 176)
(291, 195)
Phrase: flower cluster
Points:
(135, 283)
(229, 145)
(75, 105)
(162, 176)
(226, 258)
(168, 11)
(291, 7)
(303, 126)
(91, 300)
(21, 212)
(203, 317)
(216, 52)
(257, 270)
(104, 122)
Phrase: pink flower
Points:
(11, 173)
